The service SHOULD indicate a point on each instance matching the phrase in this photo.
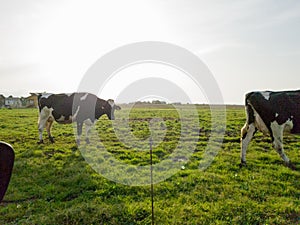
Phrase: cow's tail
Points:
(249, 109)
(39, 102)
(249, 115)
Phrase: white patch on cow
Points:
(277, 131)
(111, 102)
(266, 95)
(84, 97)
(288, 125)
(75, 114)
(45, 113)
(259, 123)
(44, 116)
(46, 95)
(61, 119)
(88, 122)
(276, 115)
(285, 127)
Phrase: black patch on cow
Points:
(59, 103)
(280, 107)
(7, 157)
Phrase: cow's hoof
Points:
(51, 140)
(291, 165)
(87, 141)
(40, 142)
(242, 164)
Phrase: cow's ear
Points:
(117, 107)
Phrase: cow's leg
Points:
(41, 126)
(247, 133)
(48, 128)
(277, 137)
(88, 125)
(43, 118)
(79, 132)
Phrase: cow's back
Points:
(276, 106)
(60, 104)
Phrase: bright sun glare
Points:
(80, 33)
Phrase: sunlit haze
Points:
(247, 45)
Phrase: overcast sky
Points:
(246, 44)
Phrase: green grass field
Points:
(54, 184)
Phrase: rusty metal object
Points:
(7, 157)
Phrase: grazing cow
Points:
(82, 108)
(271, 113)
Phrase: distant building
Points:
(13, 102)
(32, 100)
(19, 102)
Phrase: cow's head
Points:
(106, 107)
(111, 110)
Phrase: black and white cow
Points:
(272, 113)
(82, 108)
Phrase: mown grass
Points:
(54, 184)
